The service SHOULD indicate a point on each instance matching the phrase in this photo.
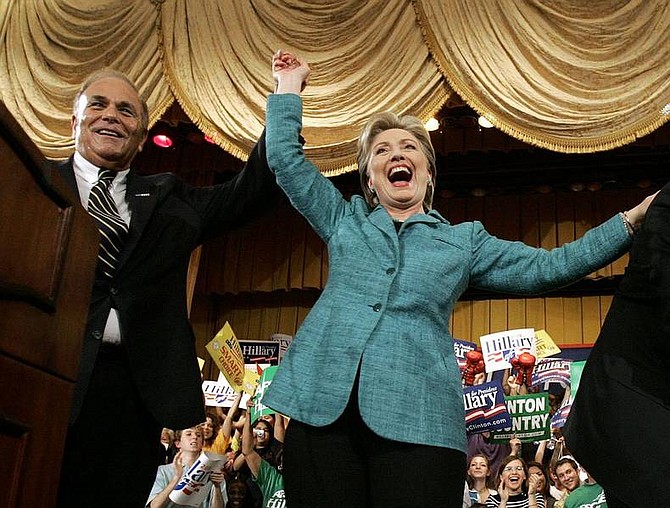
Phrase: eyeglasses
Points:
(509, 469)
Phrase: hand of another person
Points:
(513, 385)
(515, 445)
(217, 477)
(178, 462)
(637, 214)
(533, 482)
(290, 73)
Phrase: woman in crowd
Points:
(542, 483)
(516, 488)
(479, 479)
(378, 337)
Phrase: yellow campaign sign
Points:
(227, 354)
(250, 381)
(544, 345)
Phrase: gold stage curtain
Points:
(568, 75)
(50, 46)
(217, 59)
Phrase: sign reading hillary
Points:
(260, 352)
(485, 408)
(500, 348)
(530, 419)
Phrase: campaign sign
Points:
(256, 352)
(500, 348)
(560, 417)
(284, 343)
(258, 409)
(576, 369)
(545, 345)
(461, 348)
(485, 408)
(194, 486)
(551, 370)
(226, 353)
(530, 419)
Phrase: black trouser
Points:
(612, 502)
(113, 450)
(345, 464)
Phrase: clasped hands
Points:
(290, 73)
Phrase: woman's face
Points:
(208, 428)
(479, 468)
(236, 494)
(542, 482)
(262, 434)
(513, 476)
(398, 171)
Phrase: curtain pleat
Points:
(568, 75)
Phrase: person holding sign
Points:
(168, 476)
(371, 382)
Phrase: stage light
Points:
(484, 122)
(162, 140)
(432, 124)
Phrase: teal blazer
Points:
(387, 304)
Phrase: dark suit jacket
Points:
(619, 422)
(169, 219)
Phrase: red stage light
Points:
(162, 140)
(209, 139)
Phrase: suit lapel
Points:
(142, 197)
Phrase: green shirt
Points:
(271, 483)
(589, 495)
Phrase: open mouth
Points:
(400, 176)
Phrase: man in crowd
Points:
(567, 472)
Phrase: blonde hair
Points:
(382, 122)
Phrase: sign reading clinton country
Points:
(500, 348)
(530, 419)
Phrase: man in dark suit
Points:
(138, 370)
(621, 414)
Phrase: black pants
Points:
(346, 464)
(612, 502)
(113, 450)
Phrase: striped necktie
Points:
(113, 229)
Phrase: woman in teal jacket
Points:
(379, 333)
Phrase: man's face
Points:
(191, 440)
(107, 126)
(568, 476)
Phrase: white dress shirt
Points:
(86, 175)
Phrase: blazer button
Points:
(97, 335)
(114, 291)
(377, 307)
(390, 271)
